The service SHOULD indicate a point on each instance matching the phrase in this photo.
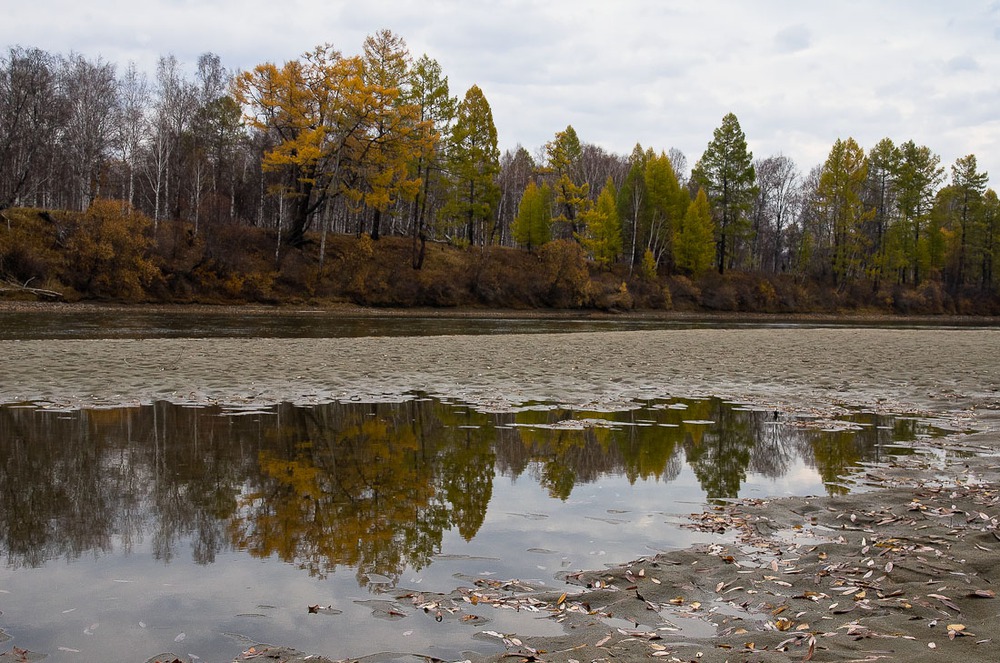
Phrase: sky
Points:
(797, 74)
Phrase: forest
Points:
(363, 178)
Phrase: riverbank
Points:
(869, 576)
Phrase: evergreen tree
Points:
(917, 178)
(726, 173)
(475, 163)
(969, 186)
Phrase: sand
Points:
(906, 570)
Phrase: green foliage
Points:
(666, 205)
(571, 192)
(694, 244)
(604, 228)
(474, 163)
(648, 265)
(533, 224)
(726, 172)
(840, 200)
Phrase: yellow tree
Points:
(394, 135)
(839, 198)
(604, 228)
(694, 245)
(302, 107)
(340, 126)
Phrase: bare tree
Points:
(777, 198)
(131, 124)
(91, 98)
(31, 113)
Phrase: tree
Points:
(777, 202)
(32, 112)
(666, 204)
(517, 170)
(839, 196)
(394, 136)
(131, 125)
(564, 154)
(429, 91)
(474, 162)
(726, 172)
(694, 245)
(969, 186)
(918, 175)
(533, 225)
(305, 108)
(883, 164)
(176, 105)
(604, 228)
(91, 90)
(633, 206)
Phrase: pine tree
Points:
(475, 163)
(727, 174)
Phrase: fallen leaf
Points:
(982, 594)
(812, 649)
(946, 601)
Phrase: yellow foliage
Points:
(106, 250)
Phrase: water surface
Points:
(131, 531)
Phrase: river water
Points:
(127, 532)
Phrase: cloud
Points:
(962, 63)
(792, 39)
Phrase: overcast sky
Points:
(798, 75)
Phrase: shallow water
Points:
(132, 531)
(96, 323)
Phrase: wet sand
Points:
(906, 570)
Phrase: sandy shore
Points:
(907, 572)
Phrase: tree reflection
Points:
(370, 487)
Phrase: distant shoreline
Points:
(353, 310)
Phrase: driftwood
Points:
(41, 293)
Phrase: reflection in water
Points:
(371, 487)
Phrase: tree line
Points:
(376, 144)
